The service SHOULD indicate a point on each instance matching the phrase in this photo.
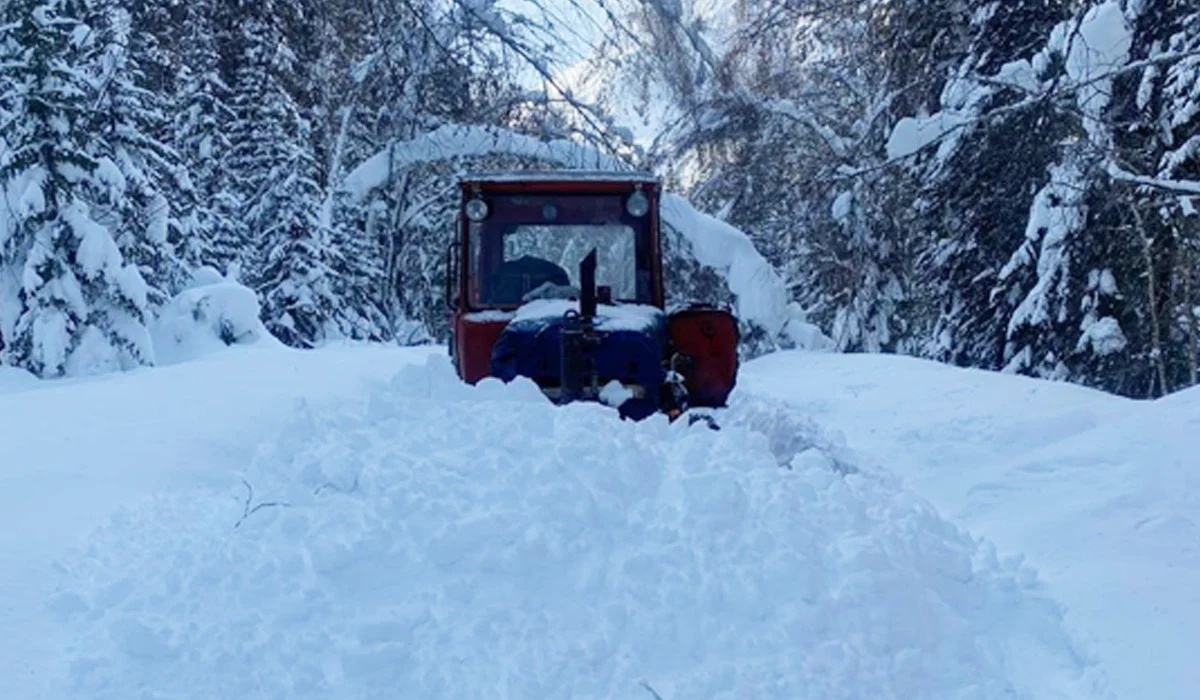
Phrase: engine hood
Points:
(622, 317)
(629, 347)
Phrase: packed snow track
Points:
(435, 540)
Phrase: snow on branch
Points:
(761, 293)
(464, 141)
(1118, 173)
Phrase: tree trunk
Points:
(1156, 349)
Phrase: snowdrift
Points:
(449, 541)
(212, 314)
(14, 379)
(73, 451)
(1100, 493)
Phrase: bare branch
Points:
(247, 510)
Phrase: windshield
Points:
(565, 246)
(530, 247)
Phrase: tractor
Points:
(558, 277)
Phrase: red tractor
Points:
(557, 276)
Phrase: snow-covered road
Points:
(477, 542)
(1100, 493)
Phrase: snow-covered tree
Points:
(977, 184)
(201, 136)
(152, 213)
(277, 180)
(1147, 204)
(81, 307)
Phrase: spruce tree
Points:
(82, 309)
(1153, 231)
(153, 208)
(201, 136)
(277, 180)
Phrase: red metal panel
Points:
(473, 342)
(709, 337)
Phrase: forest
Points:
(1011, 185)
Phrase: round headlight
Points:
(638, 204)
(477, 210)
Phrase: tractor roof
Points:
(555, 176)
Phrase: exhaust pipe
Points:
(578, 336)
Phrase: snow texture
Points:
(490, 315)
(1103, 336)
(913, 134)
(801, 334)
(1095, 48)
(547, 552)
(469, 141)
(557, 175)
(615, 394)
(13, 379)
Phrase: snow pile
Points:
(211, 315)
(802, 334)
(75, 450)
(455, 541)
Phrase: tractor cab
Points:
(557, 276)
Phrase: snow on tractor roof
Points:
(561, 175)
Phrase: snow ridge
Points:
(456, 541)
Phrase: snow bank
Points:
(213, 314)
(15, 379)
(1101, 493)
(75, 450)
(455, 541)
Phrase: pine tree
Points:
(82, 308)
(152, 201)
(201, 136)
(276, 178)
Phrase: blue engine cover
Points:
(532, 347)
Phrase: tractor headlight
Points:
(638, 204)
(477, 210)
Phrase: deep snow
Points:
(73, 451)
(445, 541)
(1100, 493)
